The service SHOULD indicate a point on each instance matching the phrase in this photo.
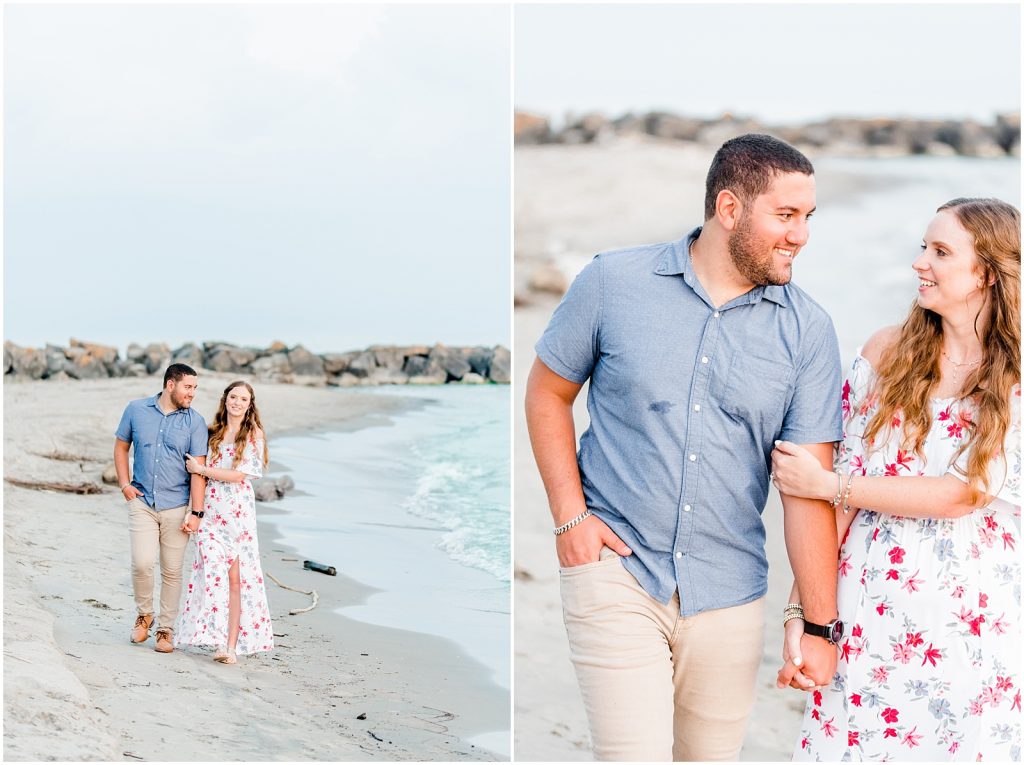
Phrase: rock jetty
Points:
(839, 136)
(376, 365)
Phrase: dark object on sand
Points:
(361, 717)
(68, 488)
(312, 565)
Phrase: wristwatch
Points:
(198, 513)
(832, 632)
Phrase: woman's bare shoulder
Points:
(257, 434)
(878, 343)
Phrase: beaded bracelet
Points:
(846, 494)
(839, 490)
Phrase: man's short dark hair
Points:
(177, 371)
(747, 166)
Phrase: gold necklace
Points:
(956, 367)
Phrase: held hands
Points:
(798, 473)
(192, 465)
(191, 524)
(582, 543)
(816, 656)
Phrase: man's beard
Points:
(744, 249)
(179, 400)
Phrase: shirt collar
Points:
(676, 261)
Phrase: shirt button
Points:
(687, 508)
(693, 458)
(717, 314)
(696, 407)
(679, 555)
(703, 359)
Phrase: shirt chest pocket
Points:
(176, 437)
(757, 391)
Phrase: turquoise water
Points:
(419, 510)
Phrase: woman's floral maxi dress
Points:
(228, 531)
(929, 668)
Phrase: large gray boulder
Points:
(136, 353)
(56, 360)
(387, 376)
(480, 360)
(451, 360)
(128, 368)
(305, 363)
(501, 365)
(388, 356)
(158, 358)
(85, 366)
(190, 354)
(336, 363)
(27, 362)
(227, 358)
(362, 365)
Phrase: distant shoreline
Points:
(376, 365)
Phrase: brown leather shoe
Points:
(163, 641)
(140, 633)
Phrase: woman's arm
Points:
(798, 472)
(217, 474)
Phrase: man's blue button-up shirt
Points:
(686, 400)
(160, 442)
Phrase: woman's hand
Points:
(790, 673)
(798, 473)
(191, 523)
(192, 465)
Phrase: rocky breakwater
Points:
(838, 136)
(376, 365)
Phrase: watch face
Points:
(837, 631)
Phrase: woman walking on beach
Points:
(226, 604)
(929, 574)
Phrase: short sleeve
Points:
(252, 459)
(1004, 469)
(814, 415)
(124, 428)
(199, 438)
(569, 346)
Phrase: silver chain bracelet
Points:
(578, 519)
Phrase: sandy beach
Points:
(76, 689)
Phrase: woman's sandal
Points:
(225, 656)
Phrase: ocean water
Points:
(418, 510)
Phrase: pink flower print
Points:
(944, 414)
(1008, 541)
(879, 674)
(829, 728)
(901, 653)
(958, 592)
(913, 738)
(975, 708)
(895, 554)
(914, 639)
(988, 537)
(982, 600)
(991, 696)
(896, 420)
(965, 615)
(1016, 702)
(990, 523)
(881, 608)
(805, 742)
(815, 714)
(1003, 683)
(857, 630)
(890, 733)
(913, 583)
(891, 715)
(852, 738)
(953, 747)
(892, 574)
(975, 551)
(931, 654)
(844, 566)
(976, 625)
(857, 465)
(817, 698)
(855, 699)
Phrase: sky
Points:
(330, 175)
(780, 63)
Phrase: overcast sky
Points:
(331, 175)
(779, 63)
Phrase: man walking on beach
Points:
(700, 354)
(162, 429)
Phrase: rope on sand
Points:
(316, 598)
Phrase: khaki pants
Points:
(657, 686)
(156, 534)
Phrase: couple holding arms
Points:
(190, 480)
(711, 376)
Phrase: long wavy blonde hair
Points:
(908, 370)
(250, 421)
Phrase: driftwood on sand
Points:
(313, 593)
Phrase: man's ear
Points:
(728, 209)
